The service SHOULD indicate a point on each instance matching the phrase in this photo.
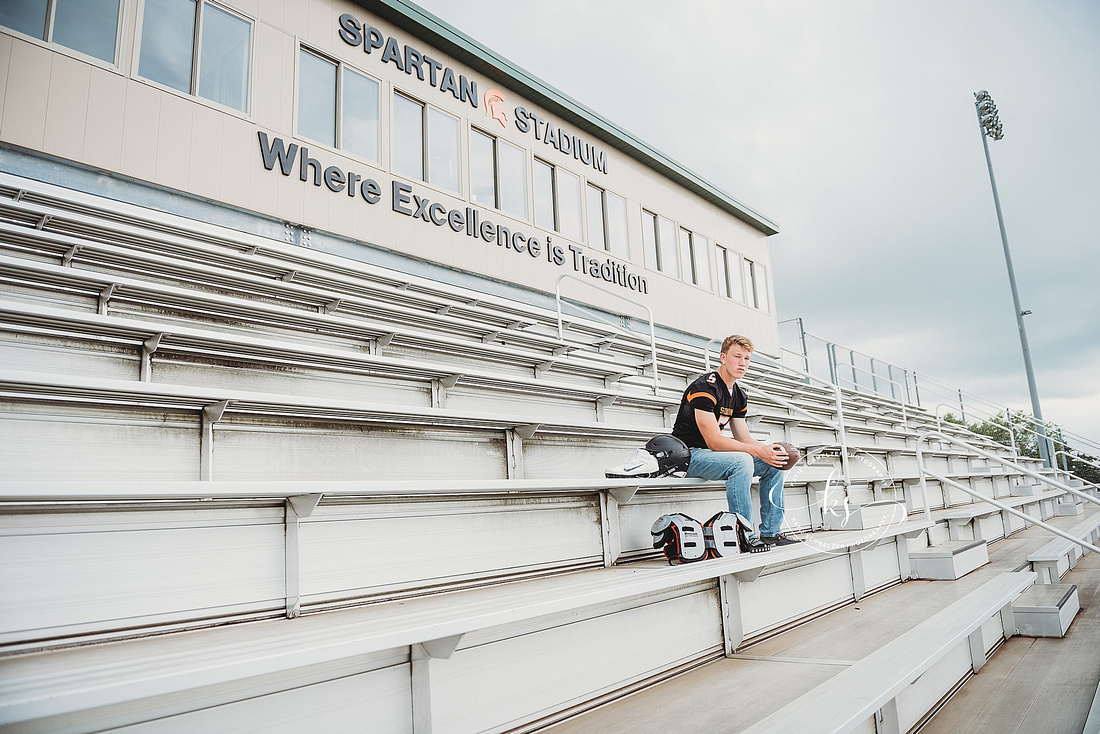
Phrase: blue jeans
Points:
(738, 469)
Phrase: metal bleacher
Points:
(251, 483)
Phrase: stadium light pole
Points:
(990, 126)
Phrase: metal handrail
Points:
(938, 386)
(1077, 458)
(791, 406)
(854, 369)
(1011, 433)
(1078, 437)
(706, 354)
(1041, 436)
(1001, 460)
(993, 457)
(1049, 438)
(1014, 511)
(1044, 437)
(652, 330)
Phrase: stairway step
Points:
(1046, 610)
(949, 560)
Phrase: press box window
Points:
(498, 174)
(730, 282)
(757, 285)
(607, 221)
(87, 26)
(337, 106)
(557, 200)
(694, 259)
(425, 143)
(173, 30)
(659, 244)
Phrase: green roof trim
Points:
(422, 24)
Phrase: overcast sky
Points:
(851, 125)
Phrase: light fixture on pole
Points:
(990, 126)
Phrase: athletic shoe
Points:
(639, 464)
(752, 545)
(778, 539)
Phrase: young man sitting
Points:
(710, 404)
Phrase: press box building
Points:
(378, 133)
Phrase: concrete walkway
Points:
(1035, 684)
(730, 694)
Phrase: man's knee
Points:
(739, 467)
(767, 471)
(740, 463)
(721, 465)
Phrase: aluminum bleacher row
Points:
(263, 472)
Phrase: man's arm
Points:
(742, 440)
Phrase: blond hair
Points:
(742, 341)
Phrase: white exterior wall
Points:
(57, 101)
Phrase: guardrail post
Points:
(977, 650)
(610, 500)
(1008, 621)
(901, 545)
(420, 657)
(886, 719)
(859, 576)
(733, 630)
(149, 346)
(923, 483)
(211, 414)
(297, 507)
(513, 439)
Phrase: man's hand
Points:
(772, 453)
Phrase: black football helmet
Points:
(672, 454)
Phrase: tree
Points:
(1027, 442)
(1021, 436)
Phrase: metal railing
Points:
(857, 386)
(652, 330)
(1007, 425)
(1011, 435)
(923, 471)
(826, 357)
(1082, 459)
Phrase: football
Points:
(793, 456)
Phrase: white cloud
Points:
(851, 124)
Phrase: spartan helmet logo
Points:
(494, 106)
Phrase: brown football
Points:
(793, 456)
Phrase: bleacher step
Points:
(949, 560)
(1027, 490)
(1046, 610)
(1069, 509)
